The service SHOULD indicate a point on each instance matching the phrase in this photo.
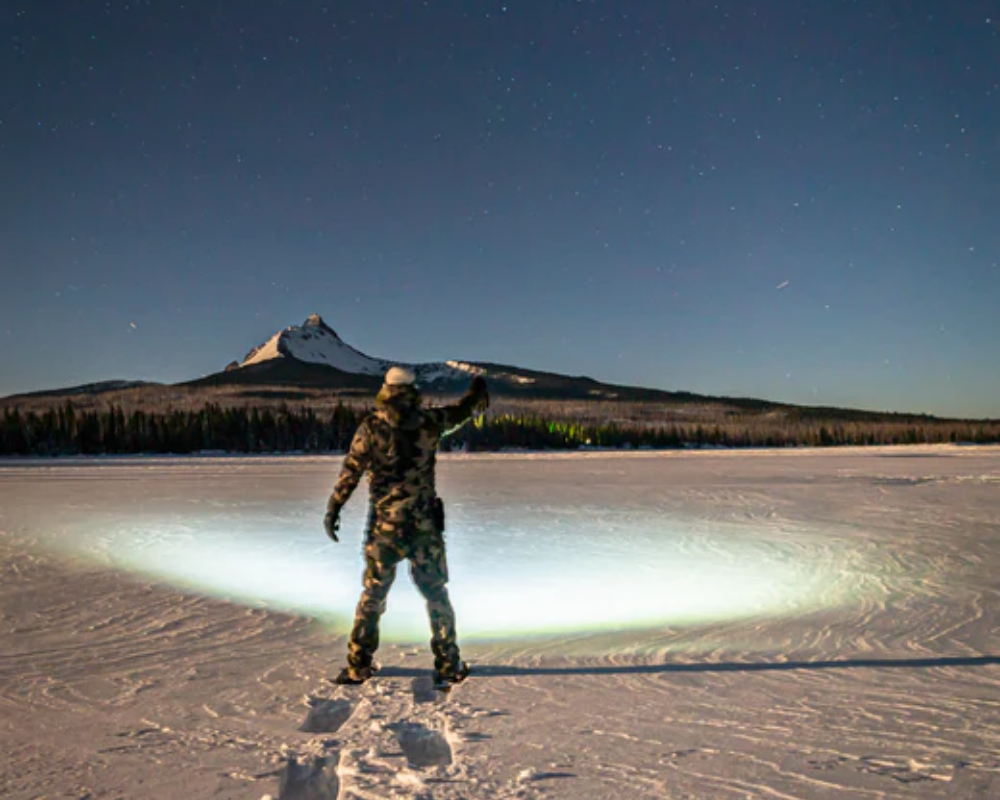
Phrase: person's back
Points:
(397, 446)
(403, 439)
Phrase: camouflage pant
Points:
(387, 545)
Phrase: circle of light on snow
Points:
(538, 571)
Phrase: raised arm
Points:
(477, 397)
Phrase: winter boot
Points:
(445, 679)
(353, 677)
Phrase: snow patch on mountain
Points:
(470, 369)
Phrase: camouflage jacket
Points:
(397, 445)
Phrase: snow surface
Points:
(317, 343)
(779, 624)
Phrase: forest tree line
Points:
(68, 431)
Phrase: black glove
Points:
(331, 522)
(481, 391)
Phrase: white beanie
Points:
(400, 376)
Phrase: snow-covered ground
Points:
(794, 624)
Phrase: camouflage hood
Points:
(399, 406)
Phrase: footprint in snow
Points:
(326, 716)
(422, 746)
(312, 779)
(424, 691)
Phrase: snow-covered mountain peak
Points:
(316, 321)
(316, 342)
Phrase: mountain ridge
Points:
(313, 357)
(292, 355)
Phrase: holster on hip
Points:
(437, 514)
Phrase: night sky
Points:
(798, 201)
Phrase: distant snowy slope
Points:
(315, 342)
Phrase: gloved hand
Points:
(479, 388)
(331, 522)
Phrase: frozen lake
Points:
(838, 605)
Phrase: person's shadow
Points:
(504, 671)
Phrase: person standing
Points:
(397, 445)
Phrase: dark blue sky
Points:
(616, 188)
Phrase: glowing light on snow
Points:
(510, 576)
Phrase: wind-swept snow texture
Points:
(794, 624)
